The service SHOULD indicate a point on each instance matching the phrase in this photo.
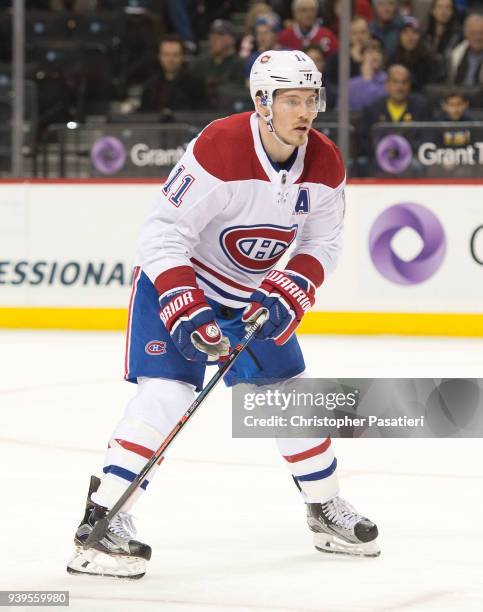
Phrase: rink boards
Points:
(412, 261)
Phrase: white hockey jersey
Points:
(229, 213)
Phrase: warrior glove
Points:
(190, 320)
(285, 297)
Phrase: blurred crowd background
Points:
(170, 62)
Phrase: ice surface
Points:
(223, 517)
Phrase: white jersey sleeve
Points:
(321, 235)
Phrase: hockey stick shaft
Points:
(101, 527)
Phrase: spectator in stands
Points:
(247, 44)
(398, 105)
(173, 88)
(444, 31)
(371, 84)
(454, 107)
(221, 65)
(425, 67)
(331, 13)
(266, 32)
(466, 60)
(359, 37)
(307, 29)
(386, 24)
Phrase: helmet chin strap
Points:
(269, 121)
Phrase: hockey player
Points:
(248, 188)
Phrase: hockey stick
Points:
(101, 527)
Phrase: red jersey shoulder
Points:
(226, 150)
(323, 162)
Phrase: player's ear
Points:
(262, 107)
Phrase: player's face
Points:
(294, 111)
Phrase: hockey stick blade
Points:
(101, 527)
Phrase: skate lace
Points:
(123, 526)
(341, 513)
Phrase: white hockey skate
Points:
(338, 528)
(118, 554)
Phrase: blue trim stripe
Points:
(286, 165)
(319, 475)
(123, 473)
(224, 294)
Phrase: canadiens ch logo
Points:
(155, 347)
(256, 248)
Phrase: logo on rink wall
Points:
(256, 248)
(394, 154)
(64, 273)
(429, 154)
(108, 155)
(155, 347)
(429, 229)
(476, 245)
(142, 155)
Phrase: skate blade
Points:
(327, 543)
(94, 563)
